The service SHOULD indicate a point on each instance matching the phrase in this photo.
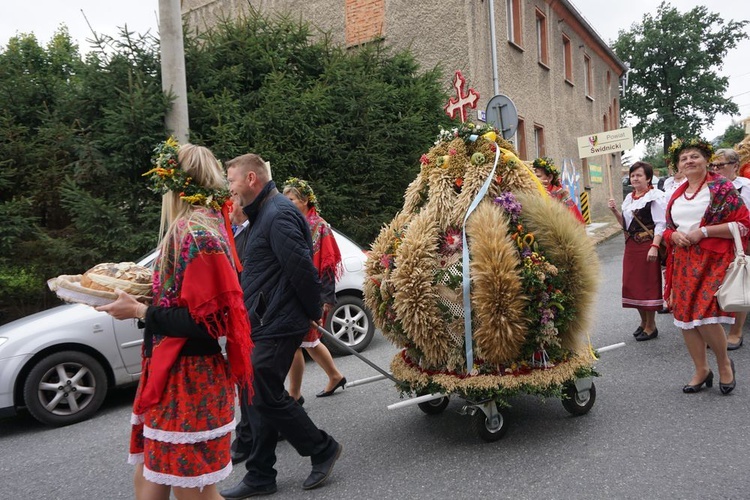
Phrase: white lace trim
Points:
(689, 325)
(651, 195)
(135, 458)
(136, 419)
(176, 437)
(310, 345)
(188, 482)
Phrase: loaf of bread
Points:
(126, 276)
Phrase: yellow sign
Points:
(610, 141)
(595, 174)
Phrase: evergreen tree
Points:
(77, 134)
(673, 87)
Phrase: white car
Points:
(59, 363)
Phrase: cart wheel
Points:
(485, 429)
(575, 403)
(434, 406)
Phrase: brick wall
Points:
(364, 20)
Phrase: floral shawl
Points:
(726, 205)
(201, 277)
(326, 253)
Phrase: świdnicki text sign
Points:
(610, 141)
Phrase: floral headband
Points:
(168, 176)
(678, 146)
(304, 189)
(546, 164)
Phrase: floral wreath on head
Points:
(168, 176)
(304, 189)
(546, 164)
(678, 146)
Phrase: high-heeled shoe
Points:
(733, 346)
(708, 381)
(325, 394)
(727, 388)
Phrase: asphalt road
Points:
(643, 439)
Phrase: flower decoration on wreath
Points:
(304, 189)
(166, 175)
(679, 145)
(547, 165)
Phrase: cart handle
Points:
(332, 338)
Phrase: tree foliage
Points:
(76, 134)
(673, 86)
(734, 134)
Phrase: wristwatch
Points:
(704, 231)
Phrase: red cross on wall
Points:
(459, 104)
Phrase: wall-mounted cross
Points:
(458, 104)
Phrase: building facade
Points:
(562, 77)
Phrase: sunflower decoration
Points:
(166, 175)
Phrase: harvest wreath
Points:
(532, 276)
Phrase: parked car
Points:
(59, 363)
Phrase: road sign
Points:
(610, 141)
(502, 113)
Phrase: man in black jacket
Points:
(282, 296)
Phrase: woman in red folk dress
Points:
(327, 259)
(642, 219)
(698, 217)
(183, 414)
(549, 175)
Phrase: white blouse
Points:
(658, 208)
(670, 186)
(742, 184)
(687, 214)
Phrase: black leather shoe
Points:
(727, 388)
(243, 490)
(647, 336)
(321, 471)
(325, 394)
(692, 389)
(638, 331)
(733, 346)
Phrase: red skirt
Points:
(313, 336)
(641, 279)
(696, 275)
(184, 440)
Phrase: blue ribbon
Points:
(466, 270)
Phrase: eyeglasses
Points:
(720, 165)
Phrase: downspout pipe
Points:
(493, 48)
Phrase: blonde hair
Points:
(252, 162)
(205, 170)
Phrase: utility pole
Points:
(173, 80)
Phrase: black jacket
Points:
(279, 280)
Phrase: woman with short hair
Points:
(642, 219)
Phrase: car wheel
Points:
(351, 323)
(65, 388)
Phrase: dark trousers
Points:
(273, 411)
